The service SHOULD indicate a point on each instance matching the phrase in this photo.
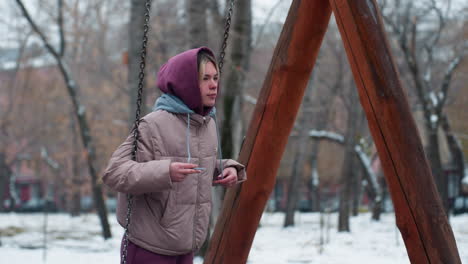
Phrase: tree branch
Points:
(456, 152)
(216, 13)
(446, 83)
(37, 30)
(80, 114)
(61, 29)
(266, 22)
(411, 59)
(5, 113)
(49, 160)
(440, 16)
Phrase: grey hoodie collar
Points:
(173, 104)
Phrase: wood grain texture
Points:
(420, 216)
(273, 119)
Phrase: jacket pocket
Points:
(157, 203)
(169, 209)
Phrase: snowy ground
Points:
(77, 240)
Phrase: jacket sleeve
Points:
(147, 175)
(241, 173)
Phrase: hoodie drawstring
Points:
(220, 153)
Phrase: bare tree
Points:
(197, 23)
(80, 115)
(304, 124)
(332, 56)
(419, 28)
(75, 204)
(349, 165)
(196, 12)
(234, 85)
(138, 9)
(457, 159)
(5, 173)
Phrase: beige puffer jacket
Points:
(169, 218)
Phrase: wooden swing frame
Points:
(419, 213)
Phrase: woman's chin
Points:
(209, 104)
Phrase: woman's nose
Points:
(213, 84)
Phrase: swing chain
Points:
(226, 36)
(136, 133)
(141, 78)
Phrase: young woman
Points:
(177, 164)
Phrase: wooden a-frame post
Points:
(420, 217)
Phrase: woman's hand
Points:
(179, 170)
(229, 177)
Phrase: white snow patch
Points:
(441, 96)
(367, 164)
(465, 180)
(315, 177)
(433, 98)
(81, 110)
(74, 240)
(326, 134)
(48, 159)
(427, 76)
(250, 99)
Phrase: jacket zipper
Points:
(194, 243)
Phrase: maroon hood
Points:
(179, 77)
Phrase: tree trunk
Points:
(321, 120)
(356, 189)
(5, 173)
(433, 155)
(233, 88)
(197, 37)
(293, 187)
(373, 188)
(304, 124)
(232, 125)
(75, 207)
(348, 170)
(314, 181)
(378, 205)
(135, 39)
(80, 114)
(348, 173)
(197, 25)
(456, 152)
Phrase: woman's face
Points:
(209, 85)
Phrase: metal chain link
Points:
(225, 37)
(136, 133)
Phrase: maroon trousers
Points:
(138, 255)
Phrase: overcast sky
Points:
(261, 9)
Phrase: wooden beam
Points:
(273, 119)
(420, 216)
